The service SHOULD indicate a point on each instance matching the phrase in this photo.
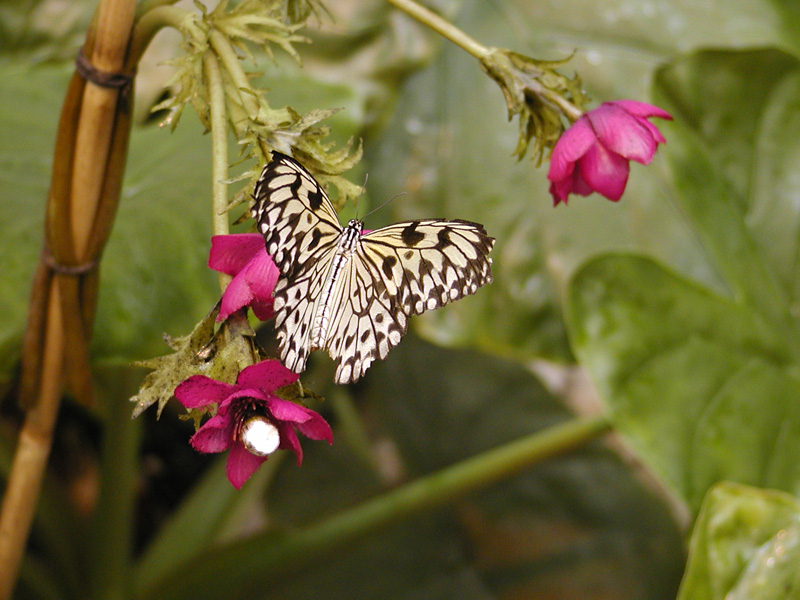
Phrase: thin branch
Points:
(441, 26)
(219, 152)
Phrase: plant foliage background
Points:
(679, 302)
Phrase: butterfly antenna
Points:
(363, 189)
(382, 205)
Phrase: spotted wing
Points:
(301, 232)
(294, 214)
(399, 271)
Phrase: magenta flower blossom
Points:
(251, 421)
(244, 257)
(593, 155)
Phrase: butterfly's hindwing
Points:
(295, 306)
(367, 324)
(352, 294)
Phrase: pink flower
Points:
(251, 421)
(243, 256)
(593, 154)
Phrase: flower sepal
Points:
(539, 94)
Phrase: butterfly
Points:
(349, 291)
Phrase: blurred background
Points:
(486, 370)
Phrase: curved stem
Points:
(33, 449)
(230, 61)
(146, 6)
(441, 26)
(150, 23)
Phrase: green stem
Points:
(150, 23)
(230, 61)
(148, 5)
(441, 26)
(112, 534)
(265, 558)
(219, 152)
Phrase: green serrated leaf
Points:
(170, 370)
(220, 355)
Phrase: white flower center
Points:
(260, 436)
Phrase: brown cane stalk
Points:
(89, 159)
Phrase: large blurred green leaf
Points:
(701, 386)
(745, 546)
(29, 104)
(704, 380)
(43, 29)
(154, 274)
(566, 529)
(735, 158)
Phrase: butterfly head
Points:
(356, 225)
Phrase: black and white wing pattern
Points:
(351, 292)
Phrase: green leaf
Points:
(220, 355)
(154, 276)
(702, 387)
(29, 105)
(745, 546)
(734, 165)
(199, 520)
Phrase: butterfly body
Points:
(322, 311)
(352, 292)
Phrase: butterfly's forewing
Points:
(301, 230)
(294, 213)
(398, 271)
(427, 263)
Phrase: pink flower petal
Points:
(198, 391)
(213, 436)
(236, 296)
(263, 309)
(579, 185)
(261, 275)
(642, 109)
(575, 142)
(290, 412)
(623, 133)
(316, 428)
(605, 172)
(241, 465)
(560, 190)
(653, 131)
(230, 253)
(244, 257)
(289, 441)
(267, 375)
